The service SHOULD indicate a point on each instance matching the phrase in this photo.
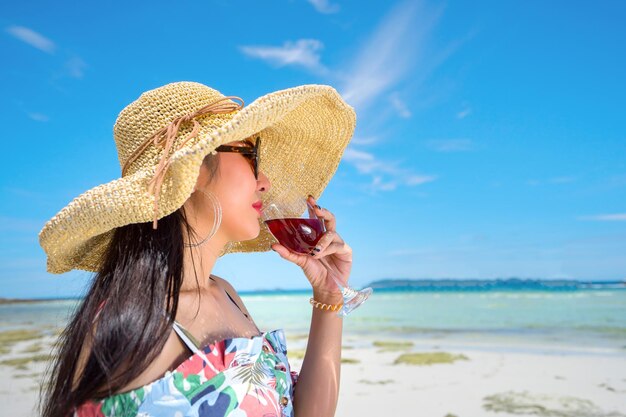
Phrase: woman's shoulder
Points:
(226, 286)
(222, 282)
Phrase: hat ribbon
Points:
(165, 138)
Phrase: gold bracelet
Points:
(322, 306)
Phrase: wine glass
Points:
(292, 221)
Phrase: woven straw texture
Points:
(304, 132)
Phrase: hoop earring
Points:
(217, 219)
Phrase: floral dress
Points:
(236, 377)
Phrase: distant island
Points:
(447, 284)
(491, 284)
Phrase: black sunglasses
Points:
(251, 154)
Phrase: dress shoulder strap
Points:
(190, 341)
(186, 337)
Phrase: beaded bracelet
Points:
(322, 306)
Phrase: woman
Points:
(157, 333)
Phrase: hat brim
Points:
(305, 131)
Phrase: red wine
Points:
(299, 234)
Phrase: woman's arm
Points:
(317, 389)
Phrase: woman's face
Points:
(237, 190)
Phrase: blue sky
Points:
(490, 137)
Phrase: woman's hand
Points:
(333, 258)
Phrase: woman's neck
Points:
(197, 266)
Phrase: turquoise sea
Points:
(580, 320)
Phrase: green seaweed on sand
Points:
(609, 388)
(381, 382)
(392, 345)
(21, 362)
(350, 360)
(8, 338)
(428, 358)
(34, 375)
(34, 348)
(544, 405)
(19, 335)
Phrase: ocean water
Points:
(560, 320)
(589, 320)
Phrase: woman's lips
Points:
(258, 206)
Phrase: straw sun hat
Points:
(162, 138)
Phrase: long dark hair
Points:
(140, 280)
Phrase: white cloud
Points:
(450, 145)
(399, 105)
(420, 179)
(385, 59)
(463, 113)
(366, 163)
(373, 165)
(395, 58)
(364, 140)
(378, 184)
(389, 53)
(324, 6)
(605, 217)
(303, 52)
(75, 67)
(32, 38)
(39, 117)
(351, 154)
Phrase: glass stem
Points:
(346, 291)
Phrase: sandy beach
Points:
(463, 380)
(482, 383)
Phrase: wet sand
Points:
(482, 383)
(403, 377)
